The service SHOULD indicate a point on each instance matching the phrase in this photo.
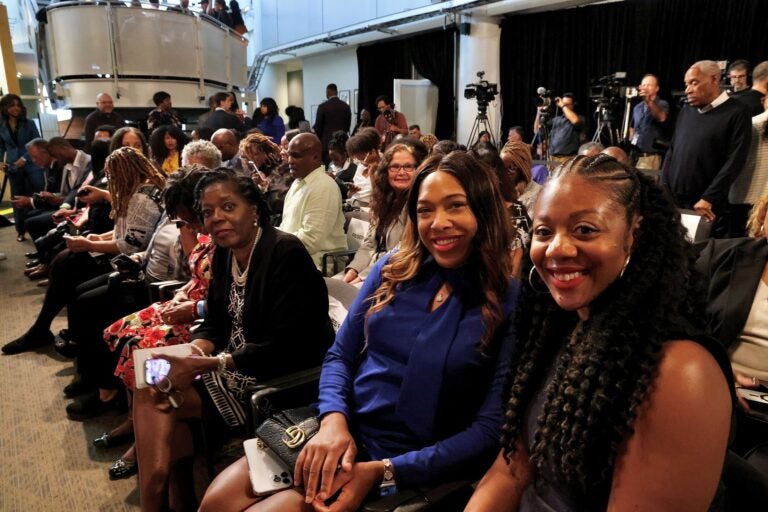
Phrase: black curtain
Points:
(564, 50)
(432, 56)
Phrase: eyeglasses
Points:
(401, 167)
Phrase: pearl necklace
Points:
(241, 276)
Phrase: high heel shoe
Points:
(106, 440)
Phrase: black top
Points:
(98, 118)
(332, 115)
(707, 152)
(752, 99)
(285, 315)
(222, 119)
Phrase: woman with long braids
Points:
(261, 160)
(617, 401)
(134, 191)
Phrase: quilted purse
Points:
(286, 432)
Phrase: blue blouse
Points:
(417, 389)
(275, 129)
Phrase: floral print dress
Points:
(146, 329)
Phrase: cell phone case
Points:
(142, 354)
(268, 473)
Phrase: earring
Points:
(626, 263)
(530, 282)
(256, 222)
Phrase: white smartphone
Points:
(268, 472)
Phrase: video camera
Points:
(483, 91)
(607, 91)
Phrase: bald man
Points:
(103, 115)
(708, 149)
(312, 210)
(616, 152)
(226, 142)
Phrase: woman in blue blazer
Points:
(15, 131)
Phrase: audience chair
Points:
(356, 227)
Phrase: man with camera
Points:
(564, 130)
(390, 122)
(648, 116)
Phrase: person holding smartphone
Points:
(267, 316)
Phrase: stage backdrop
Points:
(432, 56)
(563, 50)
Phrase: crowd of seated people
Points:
(558, 342)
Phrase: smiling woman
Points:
(617, 399)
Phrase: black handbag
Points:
(286, 432)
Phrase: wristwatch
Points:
(388, 485)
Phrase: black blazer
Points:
(733, 268)
(223, 119)
(332, 115)
(285, 317)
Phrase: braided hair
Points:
(127, 170)
(608, 361)
(256, 143)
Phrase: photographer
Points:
(648, 116)
(390, 122)
(565, 128)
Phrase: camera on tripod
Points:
(607, 91)
(483, 91)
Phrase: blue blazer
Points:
(12, 151)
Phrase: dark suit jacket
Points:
(222, 119)
(332, 115)
(285, 315)
(733, 268)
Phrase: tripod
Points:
(605, 130)
(481, 121)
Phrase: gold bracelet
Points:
(199, 350)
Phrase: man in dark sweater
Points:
(103, 115)
(709, 148)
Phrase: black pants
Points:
(39, 222)
(94, 308)
(66, 272)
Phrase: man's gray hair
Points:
(203, 149)
(38, 143)
(707, 67)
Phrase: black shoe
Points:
(123, 469)
(28, 341)
(32, 255)
(77, 388)
(106, 440)
(90, 406)
(32, 263)
(66, 346)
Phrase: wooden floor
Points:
(47, 462)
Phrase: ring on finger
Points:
(162, 387)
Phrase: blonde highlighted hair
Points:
(489, 261)
(126, 170)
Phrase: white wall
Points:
(479, 51)
(274, 84)
(339, 67)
